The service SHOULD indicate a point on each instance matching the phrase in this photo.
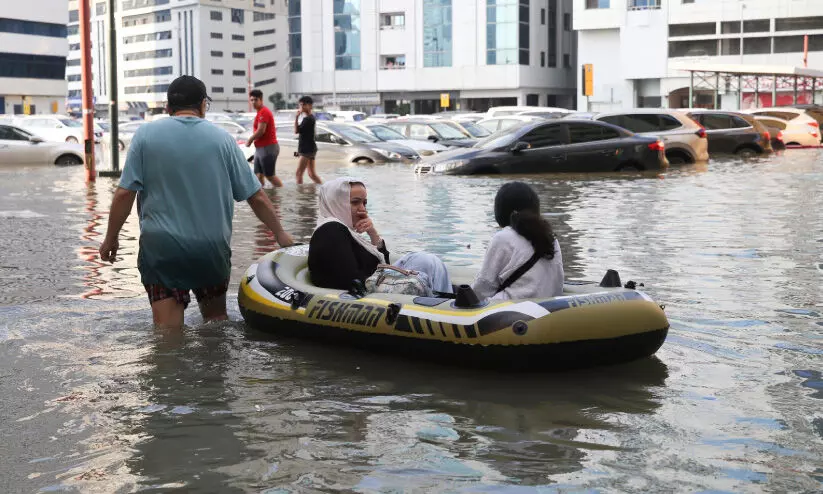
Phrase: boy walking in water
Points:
(306, 146)
(264, 138)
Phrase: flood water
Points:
(94, 400)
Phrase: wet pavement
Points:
(94, 400)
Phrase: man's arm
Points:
(261, 129)
(120, 209)
(263, 209)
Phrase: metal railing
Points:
(644, 4)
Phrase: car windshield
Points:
(446, 131)
(104, 125)
(475, 130)
(70, 123)
(352, 134)
(499, 139)
(385, 133)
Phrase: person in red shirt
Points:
(264, 138)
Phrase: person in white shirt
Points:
(523, 260)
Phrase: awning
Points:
(743, 70)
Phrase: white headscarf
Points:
(335, 206)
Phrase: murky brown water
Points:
(93, 400)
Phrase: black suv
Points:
(733, 133)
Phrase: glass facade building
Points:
(347, 34)
(437, 33)
(507, 32)
(295, 37)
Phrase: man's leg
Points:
(212, 302)
(258, 169)
(269, 163)
(302, 163)
(275, 181)
(312, 173)
(167, 306)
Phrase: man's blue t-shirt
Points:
(188, 173)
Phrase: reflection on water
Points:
(96, 401)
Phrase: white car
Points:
(56, 128)
(504, 111)
(502, 123)
(382, 117)
(19, 146)
(801, 124)
(218, 117)
(348, 116)
(386, 133)
(795, 133)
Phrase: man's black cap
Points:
(186, 91)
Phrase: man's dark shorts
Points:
(265, 159)
(157, 293)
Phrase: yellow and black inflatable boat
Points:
(589, 325)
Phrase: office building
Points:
(421, 56)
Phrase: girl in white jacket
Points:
(523, 259)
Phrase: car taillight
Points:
(815, 124)
(767, 136)
(780, 135)
(657, 146)
(701, 133)
(240, 141)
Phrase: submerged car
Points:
(432, 130)
(19, 146)
(386, 133)
(551, 146)
(733, 133)
(347, 143)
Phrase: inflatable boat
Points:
(591, 324)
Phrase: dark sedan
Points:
(577, 146)
(431, 130)
(733, 133)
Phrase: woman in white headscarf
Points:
(339, 253)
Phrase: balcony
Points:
(644, 4)
(392, 62)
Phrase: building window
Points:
(507, 32)
(567, 22)
(552, 33)
(216, 71)
(347, 34)
(697, 48)
(239, 90)
(543, 17)
(644, 4)
(145, 55)
(238, 37)
(151, 18)
(238, 54)
(238, 72)
(258, 49)
(437, 33)
(148, 72)
(265, 32)
(138, 4)
(155, 88)
(567, 61)
(73, 78)
(265, 16)
(391, 62)
(140, 38)
(265, 65)
(100, 8)
(36, 28)
(757, 26)
(730, 46)
(75, 62)
(688, 1)
(216, 15)
(74, 46)
(216, 53)
(597, 4)
(216, 35)
(217, 89)
(696, 29)
(238, 16)
(757, 46)
(542, 58)
(798, 24)
(74, 16)
(70, 30)
(393, 21)
(295, 37)
(265, 82)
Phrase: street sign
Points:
(444, 100)
(588, 80)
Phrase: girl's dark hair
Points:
(517, 205)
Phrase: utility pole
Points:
(113, 92)
(88, 95)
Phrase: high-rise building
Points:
(232, 45)
(639, 47)
(32, 56)
(405, 54)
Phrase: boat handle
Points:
(392, 311)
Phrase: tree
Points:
(276, 99)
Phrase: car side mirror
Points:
(35, 139)
(519, 146)
(432, 138)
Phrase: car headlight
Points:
(449, 165)
(388, 154)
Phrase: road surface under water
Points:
(94, 400)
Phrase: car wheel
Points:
(363, 161)
(746, 153)
(68, 160)
(72, 140)
(677, 159)
(629, 168)
(793, 144)
(122, 145)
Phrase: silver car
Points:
(386, 133)
(685, 140)
(343, 142)
(19, 146)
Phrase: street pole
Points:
(248, 83)
(88, 95)
(114, 112)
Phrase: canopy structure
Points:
(800, 82)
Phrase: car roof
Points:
(769, 117)
(642, 111)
